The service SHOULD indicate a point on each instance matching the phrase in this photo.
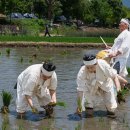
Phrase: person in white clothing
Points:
(38, 80)
(96, 76)
(121, 48)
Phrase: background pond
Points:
(68, 62)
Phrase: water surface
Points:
(68, 62)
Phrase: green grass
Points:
(56, 39)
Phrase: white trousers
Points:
(123, 70)
(108, 98)
(21, 102)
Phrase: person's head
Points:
(90, 62)
(47, 70)
(124, 24)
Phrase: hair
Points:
(88, 57)
(49, 66)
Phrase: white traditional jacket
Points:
(102, 78)
(122, 44)
(30, 82)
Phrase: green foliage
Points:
(31, 26)
(67, 40)
(65, 53)
(6, 97)
(59, 103)
(8, 51)
(5, 124)
(128, 69)
(21, 59)
(109, 12)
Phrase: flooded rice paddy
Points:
(68, 61)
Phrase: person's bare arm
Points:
(114, 54)
(29, 100)
(53, 95)
(117, 83)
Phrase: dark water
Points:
(68, 62)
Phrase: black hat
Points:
(89, 59)
(48, 68)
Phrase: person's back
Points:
(30, 73)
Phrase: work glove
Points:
(34, 110)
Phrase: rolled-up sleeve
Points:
(53, 83)
(108, 70)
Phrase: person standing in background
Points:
(121, 48)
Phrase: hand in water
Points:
(34, 110)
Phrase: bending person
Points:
(38, 80)
(96, 76)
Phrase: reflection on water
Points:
(68, 62)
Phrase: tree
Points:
(53, 7)
(117, 9)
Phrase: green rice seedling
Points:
(46, 129)
(21, 59)
(78, 127)
(20, 128)
(121, 94)
(30, 60)
(38, 47)
(34, 56)
(79, 104)
(8, 51)
(65, 53)
(59, 103)
(5, 124)
(48, 59)
(0, 53)
(128, 69)
(101, 119)
(6, 98)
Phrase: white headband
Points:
(125, 21)
(47, 73)
(91, 62)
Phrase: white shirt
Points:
(30, 80)
(122, 44)
(103, 76)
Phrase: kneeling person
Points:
(38, 80)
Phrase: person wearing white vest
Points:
(38, 80)
(96, 76)
(121, 48)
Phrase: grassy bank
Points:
(55, 39)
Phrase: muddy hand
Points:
(34, 110)
(79, 112)
(53, 104)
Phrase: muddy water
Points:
(68, 62)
